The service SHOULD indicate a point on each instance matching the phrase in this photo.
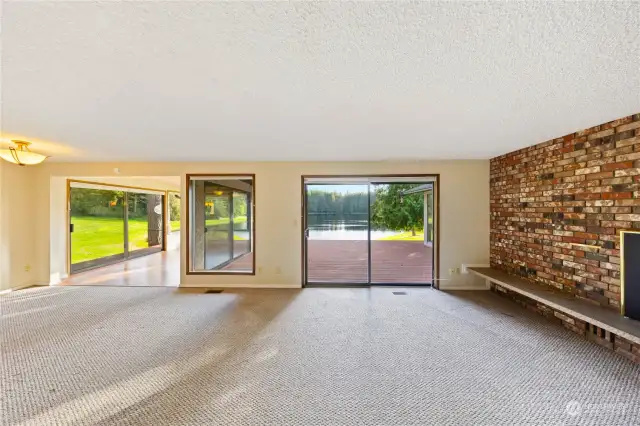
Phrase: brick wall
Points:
(557, 209)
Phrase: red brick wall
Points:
(557, 209)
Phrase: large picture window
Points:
(221, 238)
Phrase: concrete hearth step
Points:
(598, 316)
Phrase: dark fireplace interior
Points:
(631, 274)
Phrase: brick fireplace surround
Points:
(557, 209)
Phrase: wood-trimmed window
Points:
(221, 234)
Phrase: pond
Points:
(343, 227)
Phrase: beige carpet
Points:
(152, 356)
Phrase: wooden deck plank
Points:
(345, 261)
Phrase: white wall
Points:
(18, 209)
(166, 183)
(4, 241)
(464, 213)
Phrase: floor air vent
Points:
(400, 293)
(213, 291)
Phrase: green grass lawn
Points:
(225, 220)
(218, 235)
(96, 237)
(405, 236)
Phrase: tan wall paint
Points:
(464, 212)
(19, 266)
(141, 182)
(4, 242)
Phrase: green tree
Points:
(333, 203)
(96, 202)
(239, 204)
(393, 211)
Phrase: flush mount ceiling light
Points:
(21, 154)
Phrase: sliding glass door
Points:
(97, 227)
(371, 232)
(145, 223)
(112, 224)
(336, 233)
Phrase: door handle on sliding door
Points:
(306, 233)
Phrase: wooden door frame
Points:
(253, 246)
(435, 282)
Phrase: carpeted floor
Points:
(157, 356)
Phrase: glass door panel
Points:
(97, 227)
(241, 234)
(145, 219)
(336, 234)
(400, 250)
(218, 226)
(173, 233)
(174, 211)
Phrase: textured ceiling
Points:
(312, 81)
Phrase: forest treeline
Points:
(390, 209)
(334, 203)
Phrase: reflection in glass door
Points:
(221, 231)
(218, 227)
(337, 233)
(241, 231)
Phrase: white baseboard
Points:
(57, 278)
(464, 287)
(463, 270)
(21, 287)
(263, 286)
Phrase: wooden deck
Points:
(340, 261)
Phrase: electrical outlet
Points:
(452, 271)
(27, 268)
(457, 271)
(278, 270)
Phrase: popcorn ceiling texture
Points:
(551, 201)
(312, 81)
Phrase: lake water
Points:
(328, 227)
